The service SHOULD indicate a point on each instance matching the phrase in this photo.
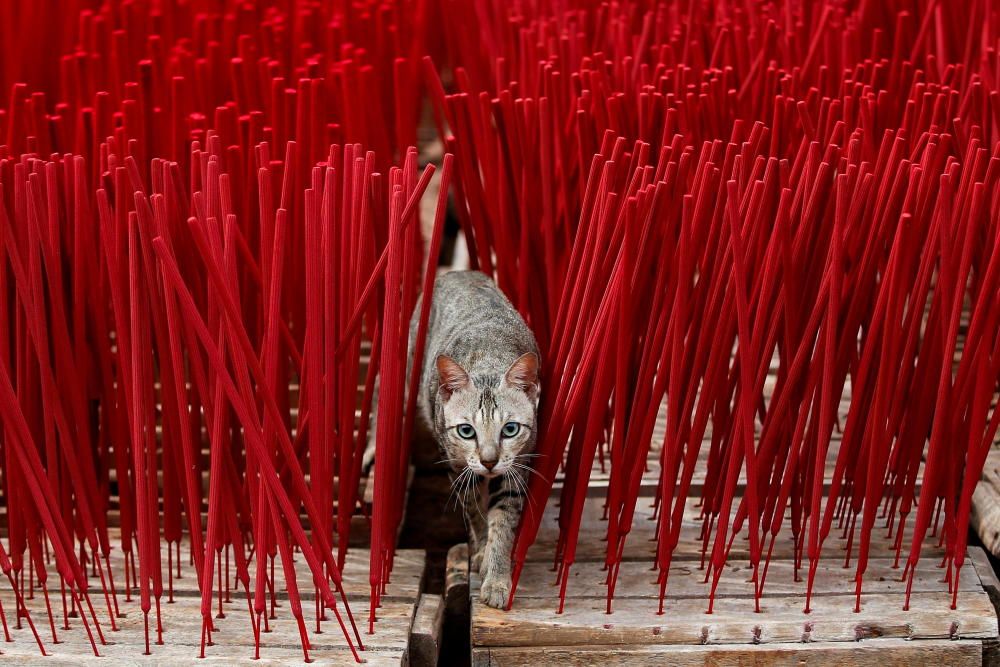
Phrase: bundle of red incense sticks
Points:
(204, 244)
(778, 223)
(772, 209)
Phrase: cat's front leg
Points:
(503, 515)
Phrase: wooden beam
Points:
(425, 635)
(881, 652)
(534, 622)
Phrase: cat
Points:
(478, 399)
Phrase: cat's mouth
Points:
(484, 472)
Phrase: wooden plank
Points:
(876, 652)
(985, 573)
(985, 518)
(359, 524)
(457, 619)
(407, 574)
(637, 580)
(600, 475)
(641, 543)
(456, 581)
(534, 622)
(274, 658)
(233, 639)
(991, 584)
(425, 635)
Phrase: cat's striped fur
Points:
(480, 376)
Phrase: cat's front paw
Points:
(495, 590)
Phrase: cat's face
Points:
(485, 423)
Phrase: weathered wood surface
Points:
(641, 543)
(425, 635)
(456, 582)
(360, 531)
(687, 581)
(406, 575)
(880, 652)
(991, 584)
(600, 475)
(533, 627)
(985, 518)
(831, 634)
(233, 639)
(534, 622)
(881, 633)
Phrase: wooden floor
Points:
(234, 637)
(882, 634)
(832, 634)
(401, 618)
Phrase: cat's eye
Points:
(510, 429)
(465, 431)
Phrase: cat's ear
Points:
(523, 373)
(451, 375)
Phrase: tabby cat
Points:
(478, 397)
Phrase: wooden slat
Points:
(637, 580)
(456, 582)
(534, 622)
(234, 638)
(991, 584)
(641, 544)
(425, 635)
(597, 486)
(880, 652)
(407, 574)
(985, 519)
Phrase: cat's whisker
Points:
(460, 489)
(457, 486)
(529, 469)
(510, 475)
(471, 488)
(452, 493)
(523, 485)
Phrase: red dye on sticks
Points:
(210, 232)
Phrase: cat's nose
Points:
(488, 463)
